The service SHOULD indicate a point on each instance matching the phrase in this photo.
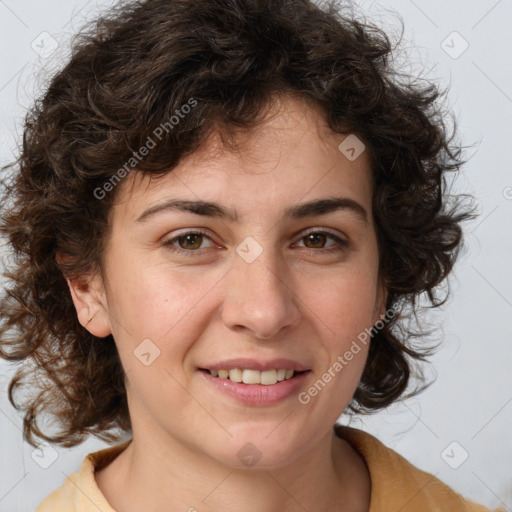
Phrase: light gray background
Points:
(471, 401)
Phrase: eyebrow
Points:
(299, 211)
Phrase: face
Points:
(266, 278)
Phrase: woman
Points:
(220, 213)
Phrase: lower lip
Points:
(258, 394)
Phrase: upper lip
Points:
(253, 364)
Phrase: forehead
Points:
(292, 155)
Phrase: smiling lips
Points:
(255, 382)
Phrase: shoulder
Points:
(59, 500)
(79, 492)
(399, 485)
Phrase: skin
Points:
(295, 301)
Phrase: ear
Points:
(90, 300)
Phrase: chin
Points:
(258, 448)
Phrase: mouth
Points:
(255, 387)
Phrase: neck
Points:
(158, 473)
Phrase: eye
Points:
(317, 240)
(187, 242)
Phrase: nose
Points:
(259, 298)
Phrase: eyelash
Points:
(191, 252)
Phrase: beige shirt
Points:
(397, 485)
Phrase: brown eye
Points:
(317, 240)
(190, 241)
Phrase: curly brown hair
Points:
(130, 71)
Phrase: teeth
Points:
(236, 375)
(267, 377)
(251, 377)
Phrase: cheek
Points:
(344, 312)
(344, 305)
(161, 317)
(156, 303)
